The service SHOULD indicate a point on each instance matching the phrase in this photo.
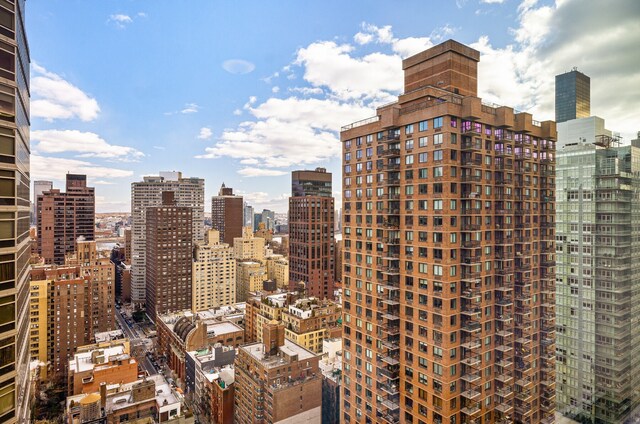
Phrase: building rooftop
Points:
(107, 336)
(223, 327)
(256, 350)
(98, 358)
(224, 375)
(170, 319)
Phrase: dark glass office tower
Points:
(15, 398)
(573, 96)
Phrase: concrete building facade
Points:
(214, 274)
(189, 192)
(448, 280)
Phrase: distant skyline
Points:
(245, 92)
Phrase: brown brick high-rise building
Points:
(448, 282)
(81, 302)
(311, 231)
(227, 214)
(277, 381)
(65, 217)
(168, 257)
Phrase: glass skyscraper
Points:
(598, 296)
(15, 398)
(573, 96)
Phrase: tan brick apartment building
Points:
(448, 283)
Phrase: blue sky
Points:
(246, 91)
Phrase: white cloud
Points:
(403, 46)
(307, 91)
(187, 109)
(257, 172)
(120, 20)
(100, 182)
(190, 108)
(250, 161)
(52, 168)
(85, 144)
(55, 98)
(205, 133)
(238, 66)
(262, 200)
(237, 112)
(275, 89)
(287, 132)
(142, 14)
(159, 147)
(327, 64)
(492, 1)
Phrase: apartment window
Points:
(437, 122)
(408, 159)
(422, 142)
(408, 129)
(423, 157)
(437, 155)
(438, 171)
(437, 270)
(408, 145)
(422, 173)
(437, 139)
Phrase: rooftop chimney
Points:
(272, 337)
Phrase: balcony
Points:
(387, 270)
(469, 145)
(471, 210)
(468, 226)
(390, 418)
(470, 244)
(504, 408)
(504, 378)
(470, 394)
(472, 360)
(524, 383)
(391, 389)
(389, 152)
(468, 177)
(471, 411)
(471, 344)
(471, 311)
(391, 182)
(471, 377)
(391, 330)
(471, 327)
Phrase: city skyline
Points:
(116, 114)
